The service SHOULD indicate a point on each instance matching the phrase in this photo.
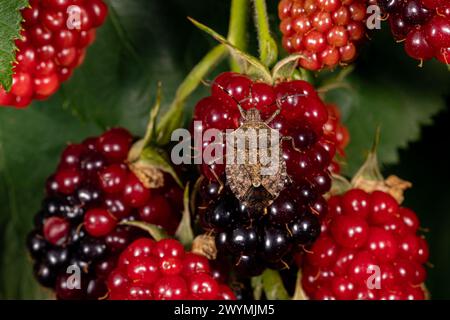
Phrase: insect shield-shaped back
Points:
(255, 169)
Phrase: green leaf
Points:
(299, 294)
(155, 231)
(285, 68)
(249, 64)
(397, 107)
(184, 231)
(10, 20)
(273, 285)
(390, 91)
(257, 286)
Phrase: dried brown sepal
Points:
(369, 177)
(205, 245)
(392, 185)
(149, 176)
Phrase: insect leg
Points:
(273, 116)
(241, 110)
(285, 138)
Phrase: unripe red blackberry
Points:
(369, 249)
(325, 32)
(79, 221)
(149, 270)
(53, 43)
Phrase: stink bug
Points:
(255, 170)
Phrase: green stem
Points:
(237, 29)
(172, 119)
(268, 49)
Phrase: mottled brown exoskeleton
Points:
(246, 179)
(256, 184)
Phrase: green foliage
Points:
(144, 42)
(10, 19)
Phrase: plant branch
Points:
(237, 29)
(173, 117)
(268, 49)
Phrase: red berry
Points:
(56, 230)
(350, 232)
(145, 270)
(324, 31)
(114, 144)
(385, 260)
(170, 288)
(169, 248)
(39, 68)
(112, 178)
(170, 266)
(343, 288)
(356, 202)
(99, 222)
(135, 193)
(193, 263)
(381, 244)
(71, 156)
(140, 248)
(203, 286)
(383, 207)
(138, 291)
(68, 180)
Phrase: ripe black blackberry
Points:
(78, 225)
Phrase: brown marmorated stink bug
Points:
(255, 169)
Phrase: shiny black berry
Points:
(242, 240)
(305, 230)
(36, 245)
(274, 244)
(92, 249)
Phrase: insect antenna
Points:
(238, 103)
(278, 103)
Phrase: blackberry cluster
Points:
(424, 25)
(336, 132)
(266, 238)
(326, 32)
(91, 192)
(149, 270)
(53, 43)
(369, 249)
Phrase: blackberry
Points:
(258, 237)
(50, 48)
(79, 220)
(424, 25)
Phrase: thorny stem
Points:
(190, 83)
(237, 28)
(268, 48)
